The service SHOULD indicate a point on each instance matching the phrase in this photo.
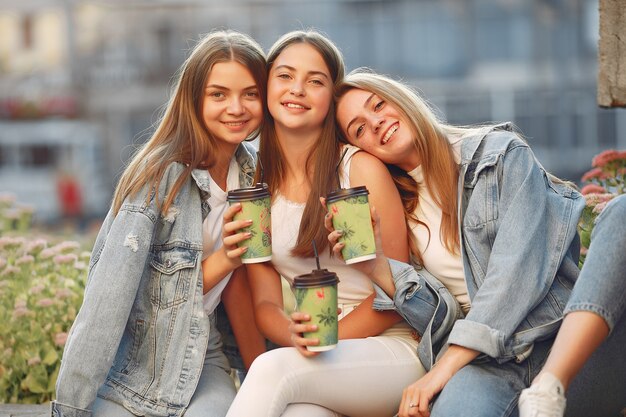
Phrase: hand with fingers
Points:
(417, 398)
(297, 327)
(376, 269)
(232, 235)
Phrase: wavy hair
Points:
(181, 134)
(324, 156)
(430, 138)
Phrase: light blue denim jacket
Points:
(141, 334)
(520, 252)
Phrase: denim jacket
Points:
(519, 249)
(140, 336)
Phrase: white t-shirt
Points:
(212, 230)
(444, 265)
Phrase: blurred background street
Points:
(82, 82)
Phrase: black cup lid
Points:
(317, 278)
(343, 193)
(260, 190)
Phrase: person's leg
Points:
(486, 388)
(216, 389)
(360, 377)
(597, 302)
(308, 410)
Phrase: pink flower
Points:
(37, 289)
(593, 189)
(34, 361)
(45, 302)
(9, 270)
(68, 245)
(594, 174)
(606, 157)
(60, 339)
(63, 293)
(3, 263)
(591, 200)
(20, 303)
(65, 259)
(26, 259)
(47, 253)
(36, 246)
(599, 207)
(20, 312)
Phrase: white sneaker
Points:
(544, 398)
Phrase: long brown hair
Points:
(181, 135)
(431, 142)
(322, 158)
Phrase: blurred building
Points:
(109, 65)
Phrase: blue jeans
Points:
(213, 395)
(486, 388)
(600, 388)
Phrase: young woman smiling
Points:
(144, 341)
(376, 353)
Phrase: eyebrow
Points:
(221, 87)
(365, 105)
(323, 74)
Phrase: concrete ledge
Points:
(24, 410)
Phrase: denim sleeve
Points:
(111, 289)
(414, 299)
(536, 225)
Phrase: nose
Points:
(235, 107)
(297, 89)
(378, 123)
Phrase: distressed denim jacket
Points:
(141, 334)
(519, 246)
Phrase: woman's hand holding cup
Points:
(376, 269)
(232, 235)
(297, 327)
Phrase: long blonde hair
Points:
(325, 154)
(431, 142)
(181, 135)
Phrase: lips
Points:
(389, 133)
(294, 105)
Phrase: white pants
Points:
(360, 377)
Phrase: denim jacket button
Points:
(168, 263)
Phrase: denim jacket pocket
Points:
(172, 270)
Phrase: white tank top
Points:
(444, 265)
(354, 286)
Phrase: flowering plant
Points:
(41, 289)
(604, 181)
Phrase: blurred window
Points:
(38, 156)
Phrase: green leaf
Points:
(50, 357)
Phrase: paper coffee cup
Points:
(255, 205)
(351, 214)
(316, 295)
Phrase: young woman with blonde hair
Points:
(495, 248)
(144, 341)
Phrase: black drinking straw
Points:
(317, 258)
(337, 169)
(258, 158)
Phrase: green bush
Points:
(41, 289)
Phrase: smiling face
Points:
(377, 127)
(232, 108)
(299, 90)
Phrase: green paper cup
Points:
(351, 214)
(316, 295)
(255, 205)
